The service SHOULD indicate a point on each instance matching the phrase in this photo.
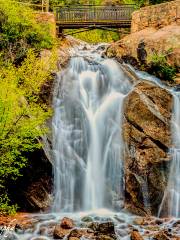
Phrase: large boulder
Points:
(147, 136)
(64, 228)
(135, 235)
(160, 41)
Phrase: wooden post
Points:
(60, 32)
(45, 5)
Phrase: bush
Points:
(97, 36)
(20, 31)
(22, 118)
(6, 208)
(160, 67)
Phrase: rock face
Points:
(33, 192)
(156, 16)
(147, 114)
(158, 28)
(159, 41)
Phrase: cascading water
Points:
(171, 200)
(87, 141)
(88, 151)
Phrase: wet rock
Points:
(104, 230)
(67, 223)
(147, 137)
(77, 233)
(141, 53)
(105, 237)
(159, 221)
(39, 193)
(64, 228)
(130, 60)
(33, 191)
(161, 236)
(87, 219)
(135, 235)
(60, 233)
(138, 221)
(106, 227)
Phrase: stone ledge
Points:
(156, 16)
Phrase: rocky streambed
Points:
(100, 226)
(146, 115)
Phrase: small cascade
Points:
(88, 153)
(171, 200)
(174, 178)
(87, 142)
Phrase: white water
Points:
(171, 200)
(88, 149)
(87, 139)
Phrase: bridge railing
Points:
(94, 13)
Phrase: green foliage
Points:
(97, 36)
(6, 207)
(141, 3)
(161, 68)
(22, 117)
(20, 31)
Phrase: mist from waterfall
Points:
(87, 141)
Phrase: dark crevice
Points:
(156, 142)
(159, 144)
(134, 124)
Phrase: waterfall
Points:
(174, 179)
(87, 141)
(171, 200)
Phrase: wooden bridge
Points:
(94, 16)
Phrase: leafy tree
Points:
(22, 117)
(20, 31)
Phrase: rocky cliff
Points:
(156, 16)
(154, 30)
(147, 114)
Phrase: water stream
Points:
(171, 201)
(87, 142)
(88, 148)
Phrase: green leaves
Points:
(160, 67)
(22, 116)
(20, 31)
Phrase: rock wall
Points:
(32, 191)
(156, 16)
(147, 137)
(158, 28)
(162, 41)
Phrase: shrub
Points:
(160, 67)
(22, 117)
(97, 36)
(6, 208)
(20, 31)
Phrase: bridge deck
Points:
(109, 16)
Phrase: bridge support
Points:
(60, 32)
